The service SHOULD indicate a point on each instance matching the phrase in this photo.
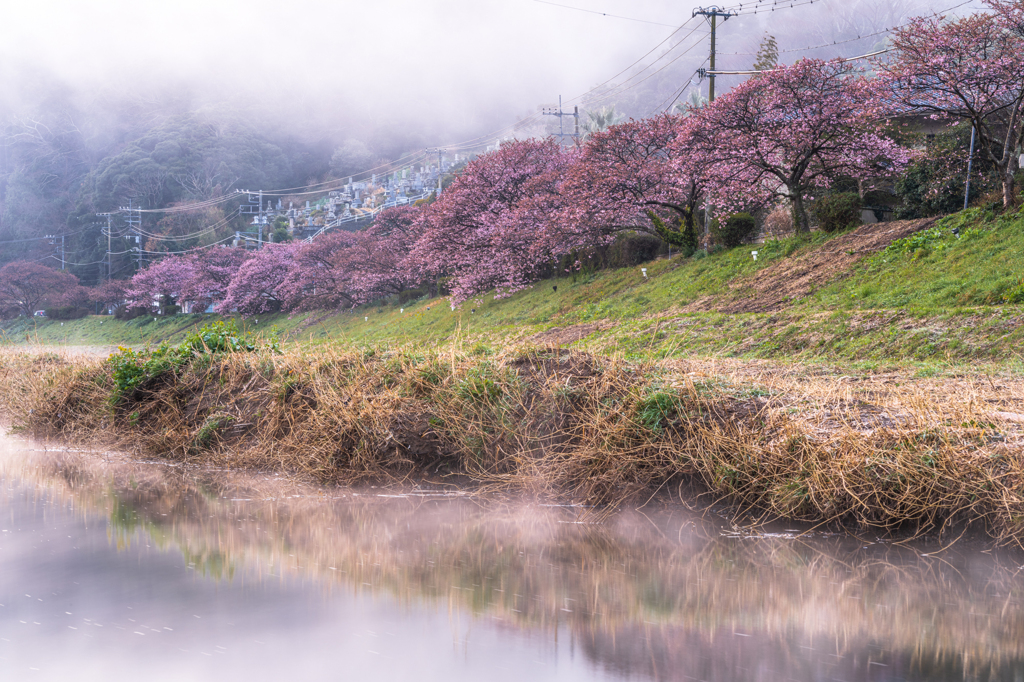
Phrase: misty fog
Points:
(100, 103)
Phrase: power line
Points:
(604, 14)
(192, 250)
(206, 230)
(851, 40)
(753, 72)
(678, 93)
(389, 167)
(761, 6)
(577, 98)
(35, 239)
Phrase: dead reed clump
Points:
(559, 423)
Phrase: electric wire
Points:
(851, 40)
(206, 230)
(604, 14)
(496, 134)
(393, 166)
(192, 250)
(605, 96)
(36, 239)
(678, 93)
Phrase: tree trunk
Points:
(801, 223)
(1009, 195)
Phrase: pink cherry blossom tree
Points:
(112, 294)
(632, 177)
(25, 286)
(377, 259)
(212, 272)
(970, 68)
(254, 288)
(792, 131)
(160, 284)
(470, 234)
(316, 278)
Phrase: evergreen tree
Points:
(767, 54)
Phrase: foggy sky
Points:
(427, 58)
(457, 66)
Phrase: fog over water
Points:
(116, 569)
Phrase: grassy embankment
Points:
(498, 405)
(936, 302)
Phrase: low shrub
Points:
(632, 249)
(836, 212)
(412, 295)
(66, 312)
(130, 369)
(733, 230)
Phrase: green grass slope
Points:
(933, 298)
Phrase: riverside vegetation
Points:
(896, 439)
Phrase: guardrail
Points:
(400, 201)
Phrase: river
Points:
(116, 569)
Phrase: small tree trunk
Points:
(1009, 195)
(801, 223)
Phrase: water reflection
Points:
(470, 589)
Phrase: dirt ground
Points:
(774, 287)
(561, 336)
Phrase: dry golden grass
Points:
(885, 451)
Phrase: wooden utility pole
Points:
(109, 229)
(712, 14)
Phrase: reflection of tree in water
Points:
(126, 523)
(666, 596)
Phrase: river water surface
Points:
(112, 570)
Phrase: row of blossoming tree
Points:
(784, 134)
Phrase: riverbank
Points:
(928, 296)
(870, 378)
(887, 451)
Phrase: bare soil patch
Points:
(561, 336)
(776, 286)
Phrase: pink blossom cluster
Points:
(511, 215)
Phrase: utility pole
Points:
(109, 230)
(53, 242)
(440, 170)
(257, 210)
(134, 227)
(551, 111)
(711, 14)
